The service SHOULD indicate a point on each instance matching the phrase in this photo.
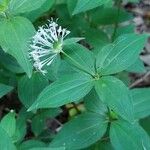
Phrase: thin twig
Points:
(134, 84)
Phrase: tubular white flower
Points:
(47, 44)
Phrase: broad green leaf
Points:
(71, 4)
(35, 14)
(85, 5)
(141, 102)
(65, 90)
(8, 123)
(72, 40)
(22, 6)
(109, 16)
(65, 68)
(4, 89)
(10, 63)
(76, 24)
(96, 38)
(4, 2)
(16, 42)
(81, 132)
(94, 104)
(125, 30)
(5, 141)
(126, 136)
(21, 125)
(80, 57)
(29, 89)
(145, 123)
(29, 144)
(115, 94)
(52, 70)
(124, 77)
(101, 145)
(137, 67)
(20, 131)
(58, 148)
(39, 120)
(121, 54)
(4, 5)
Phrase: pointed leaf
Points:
(22, 6)
(5, 141)
(8, 123)
(126, 136)
(141, 102)
(94, 104)
(115, 94)
(81, 132)
(4, 89)
(121, 54)
(84, 5)
(29, 89)
(16, 42)
(72, 40)
(137, 67)
(65, 90)
(48, 148)
(80, 57)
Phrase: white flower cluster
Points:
(47, 44)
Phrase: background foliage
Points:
(85, 101)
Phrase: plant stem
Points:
(77, 64)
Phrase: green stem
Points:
(77, 64)
(118, 3)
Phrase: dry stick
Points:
(139, 80)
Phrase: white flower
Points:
(47, 44)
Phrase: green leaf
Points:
(22, 6)
(72, 40)
(120, 55)
(58, 148)
(65, 68)
(29, 144)
(5, 141)
(115, 94)
(69, 88)
(101, 145)
(109, 16)
(21, 128)
(4, 89)
(141, 102)
(8, 123)
(39, 121)
(145, 123)
(96, 38)
(4, 5)
(29, 89)
(71, 5)
(81, 132)
(16, 42)
(125, 30)
(10, 63)
(126, 136)
(137, 67)
(80, 57)
(85, 5)
(94, 104)
(35, 14)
